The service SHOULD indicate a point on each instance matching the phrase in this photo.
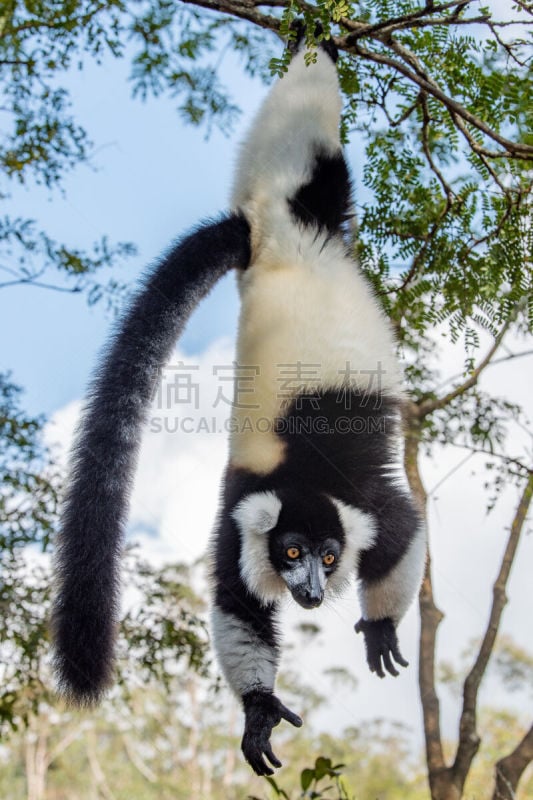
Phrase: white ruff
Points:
(255, 516)
(360, 532)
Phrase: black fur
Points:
(299, 29)
(90, 540)
(381, 643)
(321, 459)
(325, 201)
(339, 444)
(231, 593)
(263, 711)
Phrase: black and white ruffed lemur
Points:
(308, 503)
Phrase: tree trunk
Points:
(430, 618)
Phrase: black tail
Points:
(103, 460)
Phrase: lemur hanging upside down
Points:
(312, 494)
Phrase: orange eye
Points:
(293, 552)
(328, 559)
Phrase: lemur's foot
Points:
(263, 711)
(298, 26)
(381, 643)
(327, 45)
(294, 44)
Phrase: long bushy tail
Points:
(103, 460)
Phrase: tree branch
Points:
(40, 285)
(139, 764)
(381, 32)
(510, 768)
(420, 77)
(63, 745)
(468, 737)
(243, 10)
(361, 29)
(493, 363)
(523, 468)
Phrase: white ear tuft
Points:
(257, 513)
(359, 527)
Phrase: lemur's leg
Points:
(324, 200)
(390, 575)
(247, 648)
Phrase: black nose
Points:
(309, 599)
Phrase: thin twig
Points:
(40, 285)
(521, 466)
(428, 405)
(493, 363)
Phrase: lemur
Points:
(313, 495)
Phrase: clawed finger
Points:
(375, 665)
(260, 767)
(255, 759)
(272, 758)
(389, 666)
(398, 657)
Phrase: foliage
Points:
(514, 664)
(446, 231)
(40, 140)
(161, 635)
(28, 480)
(181, 741)
(322, 772)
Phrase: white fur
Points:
(392, 596)
(297, 575)
(257, 513)
(255, 516)
(360, 532)
(301, 110)
(312, 308)
(246, 661)
(303, 300)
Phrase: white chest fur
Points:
(308, 319)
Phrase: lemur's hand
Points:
(263, 712)
(381, 643)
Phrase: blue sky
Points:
(152, 177)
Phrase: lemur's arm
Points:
(105, 450)
(390, 574)
(246, 643)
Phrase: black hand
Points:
(263, 711)
(381, 642)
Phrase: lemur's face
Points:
(300, 537)
(304, 564)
